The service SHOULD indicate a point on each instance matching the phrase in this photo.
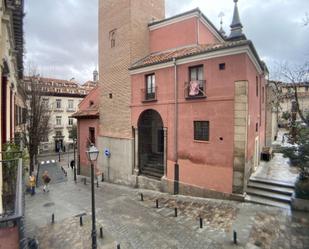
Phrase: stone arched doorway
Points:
(151, 151)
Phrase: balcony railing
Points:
(149, 94)
(71, 109)
(58, 126)
(12, 206)
(58, 109)
(195, 89)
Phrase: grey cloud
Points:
(61, 36)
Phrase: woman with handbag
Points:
(46, 179)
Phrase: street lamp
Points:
(92, 155)
(74, 144)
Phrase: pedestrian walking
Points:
(32, 183)
(46, 179)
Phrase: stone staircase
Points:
(154, 167)
(54, 172)
(269, 192)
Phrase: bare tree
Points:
(38, 116)
(306, 19)
(296, 74)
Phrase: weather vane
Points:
(221, 15)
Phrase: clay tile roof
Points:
(92, 111)
(167, 56)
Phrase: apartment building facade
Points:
(62, 97)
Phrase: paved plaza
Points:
(137, 224)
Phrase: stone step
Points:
(269, 195)
(152, 173)
(265, 201)
(153, 168)
(272, 182)
(272, 188)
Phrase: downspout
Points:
(176, 113)
(176, 167)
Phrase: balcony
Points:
(149, 94)
(70, 110)
(58, 110)
(195, 89)
(58, 126)
(12, 199)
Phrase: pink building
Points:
(87, 128)
(198, 107)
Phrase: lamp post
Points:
(74, 143)
(92, 154)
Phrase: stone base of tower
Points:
(118, 168)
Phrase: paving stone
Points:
(139, 225)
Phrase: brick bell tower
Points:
(123, 39)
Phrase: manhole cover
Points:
(49, 204)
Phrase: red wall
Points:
(83, 134)
(84, 124)
(204, 164)
(183, 33)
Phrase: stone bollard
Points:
(201, 222)
(235, 237)
(85, 181)
(101, 232)
(142, 197)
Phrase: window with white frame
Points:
(58, 103)
(58, 120)
(70, 121)
(70, 104)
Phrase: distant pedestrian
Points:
(32, 183)
(72, 164)
(46, 179)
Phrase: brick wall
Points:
(129, 19)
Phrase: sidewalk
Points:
(278, 169)
(137, 224)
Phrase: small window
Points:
(70, 104)
(150, 87)
(257, 127)
(58, 133)
(196, 73)
(201, 130)
(222, 66)
(92, 135)
(196, 86)
(91, 103)
(70, 121)
(112, 37)
(58, 120)
(58, 103)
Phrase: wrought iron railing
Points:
(195, 89)
(12, 207)
(149, 94)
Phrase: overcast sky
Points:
(61, 35)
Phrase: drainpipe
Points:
(176, 168)
(176, 113)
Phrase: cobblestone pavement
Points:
(140, 225)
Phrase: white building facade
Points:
(62, 97)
